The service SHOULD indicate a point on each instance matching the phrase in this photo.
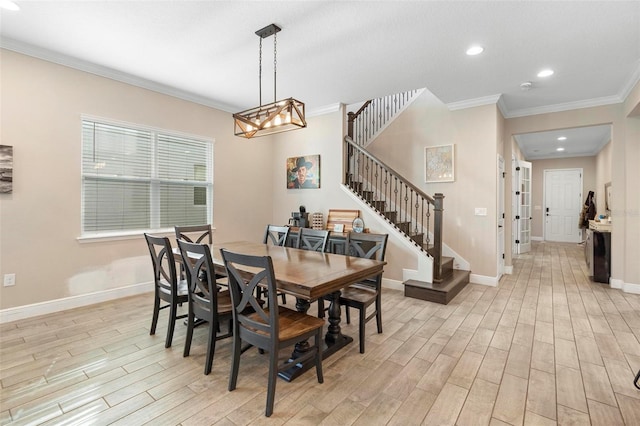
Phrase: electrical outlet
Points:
(480, 211)
(9, 280)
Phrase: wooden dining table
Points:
(308, 275)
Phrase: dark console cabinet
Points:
(599, 246)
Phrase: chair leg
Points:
(211, 346)
(187, 340)
(284, 298)
(154, 319)
(273, 376)
(363, 321)
(321, 308)
(379, 314)
(319, 356)
(172, 325)
(236, 351)
(348, 315)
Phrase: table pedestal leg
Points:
(333, 341)
(301, 347)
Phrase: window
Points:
(136, 178)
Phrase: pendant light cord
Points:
(275, 64)
(260, 72)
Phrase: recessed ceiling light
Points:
(562, 138)
(545, 73)
(560, 149)
(475, 50)
(9, 5)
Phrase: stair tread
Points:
(444, 286)
(442, 292)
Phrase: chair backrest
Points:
(194, 233)
(368, 246)
(313, 239)
(164, 265)
(248, 313)
(276, 235)
(201, 277)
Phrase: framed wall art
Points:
(303, 172)
(6, 169)
(439, 163)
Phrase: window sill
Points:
(121, 236)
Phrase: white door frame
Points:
(500, 216)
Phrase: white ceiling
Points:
(345, 52)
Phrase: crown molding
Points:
(470, 103)
(327, 109)
(587, 103)
(89, 67)
(635, 79)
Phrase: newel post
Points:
(351, 117)
(438, 209)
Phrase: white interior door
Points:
(521, 206)
(562, 204)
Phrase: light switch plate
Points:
(481, 211)
(9, 280)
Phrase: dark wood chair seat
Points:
(291, 324)
(361, 295)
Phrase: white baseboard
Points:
(392, 284)
(51, 306)
(484, 280)
(508, 270)
(537, 238)
(614, 283)
(631, 288)
(626, 287)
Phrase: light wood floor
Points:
(547, 346)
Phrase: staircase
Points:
(415, 215)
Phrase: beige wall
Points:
(588, 166)
(428, 122)
(40, 221)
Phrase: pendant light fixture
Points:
(278, 116)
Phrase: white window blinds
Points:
(141, 179)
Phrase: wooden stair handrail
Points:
(437, 201)
(351, 143)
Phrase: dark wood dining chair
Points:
(195, 233)
(206, 301)
(367, 292)
(313, 239)
(277, 236)
(198, 234)
(167, 287)
(271, 328)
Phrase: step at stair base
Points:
(442, 292)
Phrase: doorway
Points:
(562, 204)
